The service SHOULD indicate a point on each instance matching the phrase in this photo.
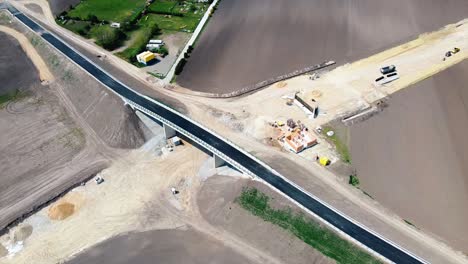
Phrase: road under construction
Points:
(228, 151)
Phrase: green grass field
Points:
(189, 15)
(80, 27)
(162, 6)
(109, 10)
(309, 231)
(173, 23)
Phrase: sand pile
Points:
(61, 211)
(22, 232)
(281, 84)
(3, 251)
(316, 94)
(66, 206)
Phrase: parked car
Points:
(387, 69)
(99, 180)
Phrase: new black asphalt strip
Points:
(368, 239)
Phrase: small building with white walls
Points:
(145, 57)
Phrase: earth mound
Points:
(61, 211)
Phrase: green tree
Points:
(153, 29)
(107, 37)
(163, 51)
(353, 180)
(93, 19)
(180, 66)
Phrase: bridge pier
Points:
(218, 162)
(169, 132)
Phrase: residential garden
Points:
(129, 25)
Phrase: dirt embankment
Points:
(251, 41)
(56, 135)
(112, 121)
(413, 157)
(44, 149)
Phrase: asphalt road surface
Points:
(372, 241)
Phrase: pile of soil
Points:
(281, 84)
(61, 211)
(22, 232)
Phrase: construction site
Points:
(374, 131)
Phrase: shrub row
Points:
(183, 61)
(166, 13)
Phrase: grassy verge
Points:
(11, 96)
(341, 147)
(162, 6)
(320, 238)
(157, 75)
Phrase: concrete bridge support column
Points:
(218, 162)
(169, 132)
(129, 105)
